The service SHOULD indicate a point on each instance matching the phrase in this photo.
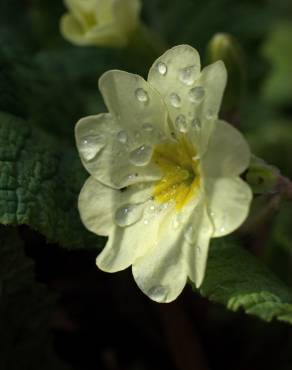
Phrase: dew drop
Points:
(210, 114)
(158, 293)
(142, 95)
(196, 157)
(152, 208)
(196, 124)
(141, 156)
(90, 146)
(147, 127)
(181, 123)
(222, 229)
(128, 215)
(175, 100)
(122, 137)
(176, 222)
(196, 94)
(189, 234)
(188, 75)
(162, 68)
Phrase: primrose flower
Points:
(164, 172)
(100, 22)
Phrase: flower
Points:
(164, 172)
(100, 22)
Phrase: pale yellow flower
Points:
(164, 172)
(100, 22)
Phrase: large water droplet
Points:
(147, 127)
(181, 123)
(162, 68)
(128, 215)
(142, 95)
(190, 234)
(90, 146)
(196, 94)
(158, 293)
(175, 100)
(141, 156)
(122, 136)
(188, 75)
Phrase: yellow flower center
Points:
(181, 177)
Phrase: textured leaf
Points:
(40, 179)
(237, 280)
(25, 311)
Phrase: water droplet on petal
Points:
(141, 156)
(196, 94)
(190, 234)
(222, 229)
(196, 157)
(162, 68)
(152, 208)
(175, 100)
(196, 124)
(128, 215)
(142, 95)
(158, 293)
(188, 75)
(122, 137)
(181, 123)
(210, 114)
(90, 146)
(176, 222)
(147, 127)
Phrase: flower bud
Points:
(226, 48)
(261, 176)
(100, 22)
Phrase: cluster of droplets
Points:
(187, 76)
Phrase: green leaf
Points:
(40, 180)
(25, 311)
(237, 280)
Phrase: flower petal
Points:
(198, 233)
(229, 201)
(228, 153)
(161, 274)
(98, 203)
(106, 152)
(102, 212)
(191, 95)
(135, 105)
(82, 10)
(73, 31)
